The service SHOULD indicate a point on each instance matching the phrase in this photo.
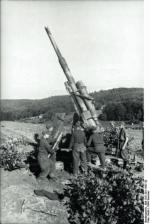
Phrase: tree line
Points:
(126, 111)
(119, 104)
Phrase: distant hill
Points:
(118, 95)
(16, 109)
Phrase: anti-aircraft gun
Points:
(82, 101)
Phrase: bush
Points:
(116, 199)
(111, 137)
(10, 158)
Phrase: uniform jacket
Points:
(78, 138)
(122, 135)
(97, 140)
(44, 147)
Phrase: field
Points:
(19, 203)
(11, 129)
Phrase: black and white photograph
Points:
(72, 112)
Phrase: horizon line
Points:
(67, 94)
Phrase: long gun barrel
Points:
(71, 82)
(62, 60)
(82, 101)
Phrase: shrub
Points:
(111, 137)
(116, 199)
(10, 158)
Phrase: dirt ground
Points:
(14, 129)
(19, 204)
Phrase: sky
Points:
(102, 42)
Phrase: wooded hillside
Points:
(120, 104)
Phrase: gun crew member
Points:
(78, 144)
(46, 162)
(123, 140)
(97, 141)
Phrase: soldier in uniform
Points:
(45, 161)
(78, 144)
(98, 146)
(123, 139)
(142, 143)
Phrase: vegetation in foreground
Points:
(117, 197)
(10, 156)
(114, 198)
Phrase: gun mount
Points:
(82, 101)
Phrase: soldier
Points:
(98, 146)
(49, 127)
(142, 143)
(47, 165)
(123, 139)
(58, 125)
(76, 118)
(78, 143)
(48, 130)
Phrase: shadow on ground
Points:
(32, 157)
(61, 155)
